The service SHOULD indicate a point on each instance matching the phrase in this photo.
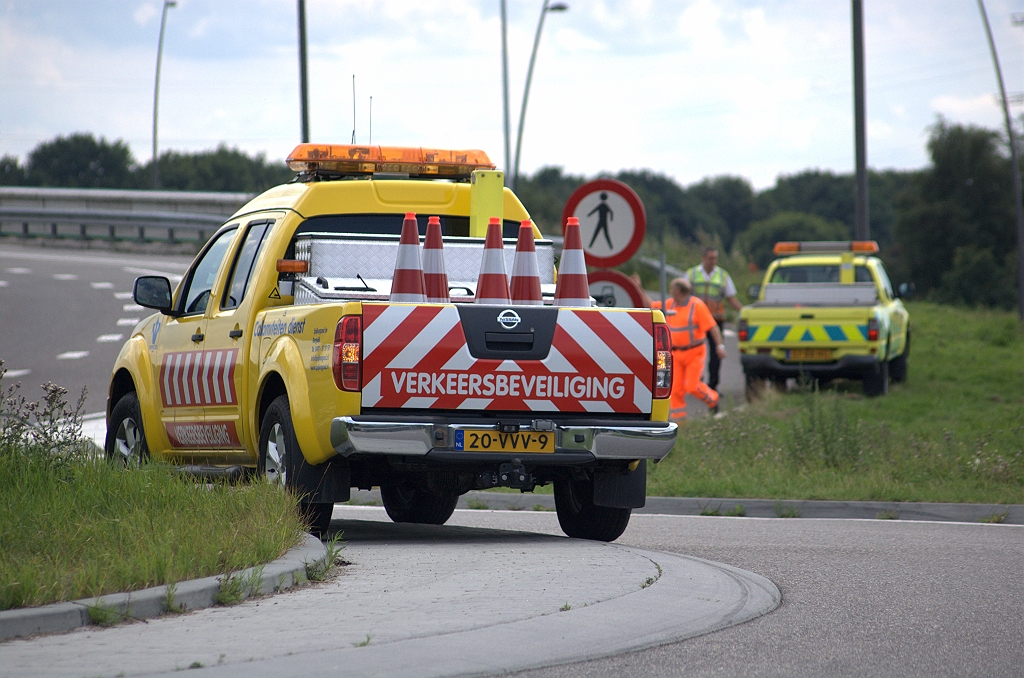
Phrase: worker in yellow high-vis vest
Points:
(715, 288)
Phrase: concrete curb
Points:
(759, 508)
(287, 571)
(691, 597)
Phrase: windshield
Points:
(817, 274)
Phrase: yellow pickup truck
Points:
(281, 355)
(825, 310)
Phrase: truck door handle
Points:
(198, 336)
(235, 334)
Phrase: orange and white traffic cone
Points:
(525, 272)
(434, 274)
(408, 287)
(573, 288)
(492, 285)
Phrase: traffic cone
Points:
(525, 272)
(434, 274)
(408, 287)
(492, 285)
(572, 289)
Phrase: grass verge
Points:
(73, 527)
(953, 433)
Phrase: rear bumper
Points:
(352, 435)
(850, 366)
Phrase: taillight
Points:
(873, 329)
(662, 361)
(347, 364)
(742, 330)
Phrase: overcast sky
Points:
(693, 88)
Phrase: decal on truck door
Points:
(203, 435)
(417, 357)
(198, 378)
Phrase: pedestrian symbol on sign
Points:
(604, 213)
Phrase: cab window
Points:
(200, 282)
(817, 274)
(241, 271)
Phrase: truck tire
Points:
(876, 380)
(580, 518)
(406, 503)
(898, 366)
(279, 453)
(126, 439)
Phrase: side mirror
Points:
(153, 291)
(754, 291)
(906, 290)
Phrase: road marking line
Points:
(102, 285)
(19, 271)
(107, 338)
(127, 322)
(3, 283)
(729, 333)
(12, 374)
(65, 276)
(131, 307)
(72, 355)
(148, 271)
(122, 295)
(100, 260)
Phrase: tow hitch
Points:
(512, 475)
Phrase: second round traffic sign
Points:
(612, 221)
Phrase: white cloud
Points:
(982, 109)
(144, 13)
(572, 40)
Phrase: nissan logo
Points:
(509, 318)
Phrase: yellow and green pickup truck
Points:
(282, 354)
(825, 310)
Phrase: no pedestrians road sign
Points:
(612, 221)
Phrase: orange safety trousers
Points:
(687, 367)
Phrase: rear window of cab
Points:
(817, 273)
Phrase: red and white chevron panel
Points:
(417, 357)
(199, 378)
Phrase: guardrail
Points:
(113, 215)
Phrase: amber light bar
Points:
(347, 159)
(821, 246)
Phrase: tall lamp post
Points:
(548, 7)
(303, 78)
(156, 89)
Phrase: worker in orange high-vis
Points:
(691, 322)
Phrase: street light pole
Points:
(557, 7)
(1017, 195)
(504, 89)
(156, 90)
(303, 80)
(861, 221)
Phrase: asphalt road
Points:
(64, 315)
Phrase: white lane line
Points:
(13, 374)
(19, 271)
(72, 355)
(122, 295)
(174, 277)
(65, 276)
(127, 322)
(102, 285)
(131, 307)
(107, 338)
(3, 283)
(83, 259)
(729, 333)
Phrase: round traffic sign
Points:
(611, 288)
(612, 221)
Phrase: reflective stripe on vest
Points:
(681, 341)
(710, 290)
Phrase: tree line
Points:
(948, 227)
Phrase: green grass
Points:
(953, 433)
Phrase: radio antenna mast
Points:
(370, 142)
(353, 109)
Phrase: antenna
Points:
(370, 142)
(353, 108)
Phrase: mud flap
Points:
(619, 488)
(326, 483)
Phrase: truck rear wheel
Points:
(898, 366)
(126, 440)
(279, 455)
(406, 503)
(580, 518)
(876, 380)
